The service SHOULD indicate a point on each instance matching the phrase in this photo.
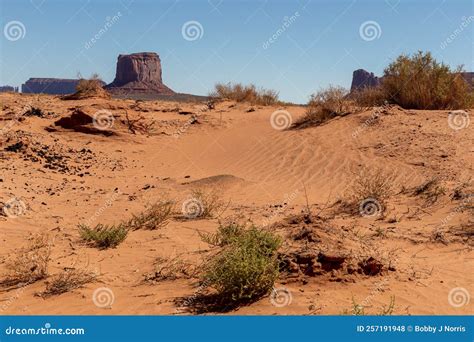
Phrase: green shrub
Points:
(420, 82)
(103, 236)
(325, 105)
(225, 235)
(246, 268)
(245, 93)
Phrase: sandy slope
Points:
(263, 173)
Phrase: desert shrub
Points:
(68, 280)
(226, 234)
(430, 191)
(420, 82)
(245, 93)
(155, 216)
(103, 236)
(85, 88)
(369, 97)
(31, 262)
(246, 268)
(325, 105)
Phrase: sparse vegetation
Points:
(31, 262)
(86, 88)
(369, 97)
(420, 82)
(430, 191)
(170, 269)
(155, 216)
(225, 234)
(206, 204)
(103, 236)
(245, 93)
(139, 125)
(325, 105)
(68, 280)
(246, 267)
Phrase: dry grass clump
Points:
(369, 97)
(430, 191)
(325, 105)
(369, 193)
(420, 82)
(87, 88)
(31, 262)
(103, 236)
(155, 216)
(139, 125)
(68, 280)
(246, 267)
(170, 269)
(245, 93)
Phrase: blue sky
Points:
(322, 43)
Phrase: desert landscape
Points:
(235, 203)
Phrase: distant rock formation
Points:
(139, 73)
(364, 79)
(6, 89)
(53, 86)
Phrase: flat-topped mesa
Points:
(139, 73)
(53, 86)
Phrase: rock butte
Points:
(139, 73)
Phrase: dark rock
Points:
(53, 86)
(139, 73)
(363, 79)
(371, 266)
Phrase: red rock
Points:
(139, 73)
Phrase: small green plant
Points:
(246, 268)
(204, 204)
(68, 280)
(356, 310)
(325, 105)
(103, 236)
(244, 93)
(225, 235)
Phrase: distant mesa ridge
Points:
(363, 79)
(7, 88)
(139, 73)
(52, 86)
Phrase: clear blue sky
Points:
(322, 45)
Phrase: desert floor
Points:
(423, 242)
